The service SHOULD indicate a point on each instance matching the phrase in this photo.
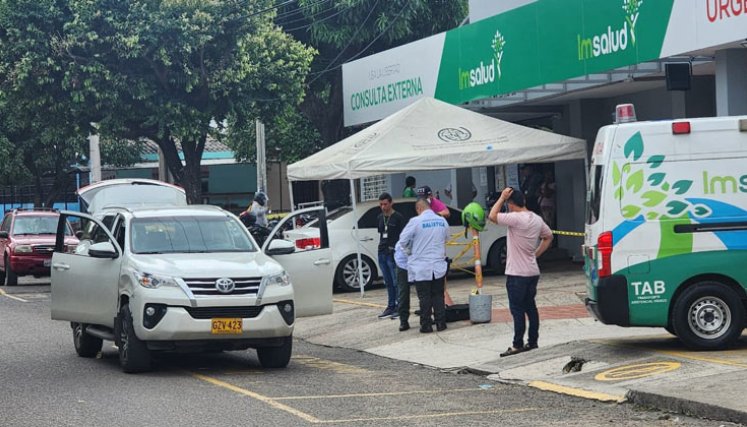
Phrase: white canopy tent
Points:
(433, 135)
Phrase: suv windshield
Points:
(188, 234)
(27, 225)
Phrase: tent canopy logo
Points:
(485, 73)
(613, 40)
(454, 134)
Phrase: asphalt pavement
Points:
(578, 356)
(44, 383)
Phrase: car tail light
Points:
(604, 246)
(309, 243)
(681, 128)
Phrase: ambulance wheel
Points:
(708, 316)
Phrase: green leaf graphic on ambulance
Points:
(652, 216)
(634, 147)
(619, 193)
(681, 187)
(701, 211)
(616, 175)
(676, 207)
(653, 198)
(630, 211)
(655, 161)
(657, 178)
(635, 181)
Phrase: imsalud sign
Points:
(542, 42)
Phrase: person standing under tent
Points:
(390, 223)
(409, 190)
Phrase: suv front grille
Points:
(213, 312)
(43, 249)
(206, 287)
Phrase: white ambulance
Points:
(666, 227)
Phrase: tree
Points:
(177, 71)
(343, 30)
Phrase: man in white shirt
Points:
(426, 236)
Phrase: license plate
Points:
(226, 326)
(47, 262)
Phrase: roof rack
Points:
(39, 209)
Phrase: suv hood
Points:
(130, 193)
(195, 266)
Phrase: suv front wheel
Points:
(276, 357)
(134, 355)
(11, 279)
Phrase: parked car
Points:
(182, 278)
(343, 243)
(27, 240)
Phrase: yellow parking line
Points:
(577, 392)
(364, 304)
(262, 398)
(693, 356)
(395, 393)
(426, 416)
(2, 292)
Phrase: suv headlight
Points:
(23, 249)
(281, 279)
(153, 281)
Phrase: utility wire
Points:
(328, 69)
(298, 10)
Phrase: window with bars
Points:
(373, 186)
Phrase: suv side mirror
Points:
(102, 250)
(281, 247)
(4, 235)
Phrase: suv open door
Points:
(310, 263)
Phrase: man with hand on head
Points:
(525, 230)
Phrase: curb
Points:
(686, 407)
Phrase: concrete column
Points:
(95, 154)
(731, 82)
(163, 170)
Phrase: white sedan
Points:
(343, 243)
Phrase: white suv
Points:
(183, 278)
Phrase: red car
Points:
(27, 239)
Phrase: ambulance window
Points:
(595, 197)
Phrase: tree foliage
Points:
(343, 30)
(172, 71)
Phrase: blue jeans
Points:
(389, 272)
(521, 293)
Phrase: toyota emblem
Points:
(224, 285)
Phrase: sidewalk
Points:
(648, 365)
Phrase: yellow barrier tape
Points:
(568, 233)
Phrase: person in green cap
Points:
(409, 190)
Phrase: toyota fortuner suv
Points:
(181, 278)
(26, 241)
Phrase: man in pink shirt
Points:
(525, 230)
(437, 205)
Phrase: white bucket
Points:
(480, 308)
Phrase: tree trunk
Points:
(326, 115)
(187, 174)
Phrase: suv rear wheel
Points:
(276, 357)
(134, 355)
(85, 345)
(11, 279)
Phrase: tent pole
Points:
(290, 195)
(357, 238)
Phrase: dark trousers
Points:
(403, 295)
(388, 267)
(521, 294)
(431, 296)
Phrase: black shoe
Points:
(404, 326)
(426, 329)
(417, 312)
(441, 327)
(528, 347)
